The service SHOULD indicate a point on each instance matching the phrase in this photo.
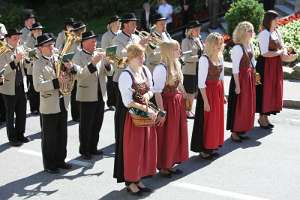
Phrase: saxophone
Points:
(65, 78)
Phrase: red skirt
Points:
(213, 129)
(272, 85)
(139, 147)
(172, 137)
(245, 102)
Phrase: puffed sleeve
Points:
(150, 80)
(202, 71)
(159, 78)
(125, 84)
(236, 56)
(263, 40)
(222, 72)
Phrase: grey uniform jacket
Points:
(122, 40)
(8, 87)
(25, 34)
(188, 44)
(87, 82)
(43, 75)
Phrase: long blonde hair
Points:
(240, 31)
(213, 40)
(173, 65)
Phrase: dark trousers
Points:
(91, 118)
(33, 96)
(2, 109)
(111, 94)
(268, 4)
(54, 138)
(15, 104)
(74, 104)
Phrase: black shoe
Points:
(145, 189)
(271, 125)
(111, 108)
(65, 166)
(76, 120)
(98, 152)
(244, 137)
(236, 140)
(215, 154)
(176, 171)
(86, 156)
(35, 113)
(24, 139)
(205, 157)
(263, 127)
(52, 171)
(15, 143)
(138, 193)
(166, 175)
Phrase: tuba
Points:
(65, 78)
(3, 48)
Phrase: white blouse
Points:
(203, 71)
(159, 78)
(264, 38)
(125, 85)
(236, 56)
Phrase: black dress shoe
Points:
(65, 166)
(52, 171)
(24, 139)
(236, 140)
(76, 120)
(145, 189)
(244, 137)
(176, 171)
(271, 125)
(165, 175)
(111, 108)
(86, 156)
(205, 157)
(35, 113)
(98, 152)
(15, 143)
(138, 193)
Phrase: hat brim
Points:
(38, 27)
(44, 42)
(90, 37)
(194, 26)
(129, 20)
(9, 35)
(160, 19)
(80, 27)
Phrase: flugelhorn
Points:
(113, 58)
(154, 38)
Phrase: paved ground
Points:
(265, 167)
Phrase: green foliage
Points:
(290, 34)
(12, 15)
(244, 10)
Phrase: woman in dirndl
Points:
(208, 130)
(139, 143)
(242, 100)
(172, 132)
(269, 65)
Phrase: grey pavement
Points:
(265, 167)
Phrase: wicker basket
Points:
(289, 58)
(140, 121)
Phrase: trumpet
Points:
(155, 40)
(113, 58)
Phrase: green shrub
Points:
(12, 15)
(244, 10)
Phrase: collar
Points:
(126, 34)
(88, 53)
(47, 58)
(11, 47)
